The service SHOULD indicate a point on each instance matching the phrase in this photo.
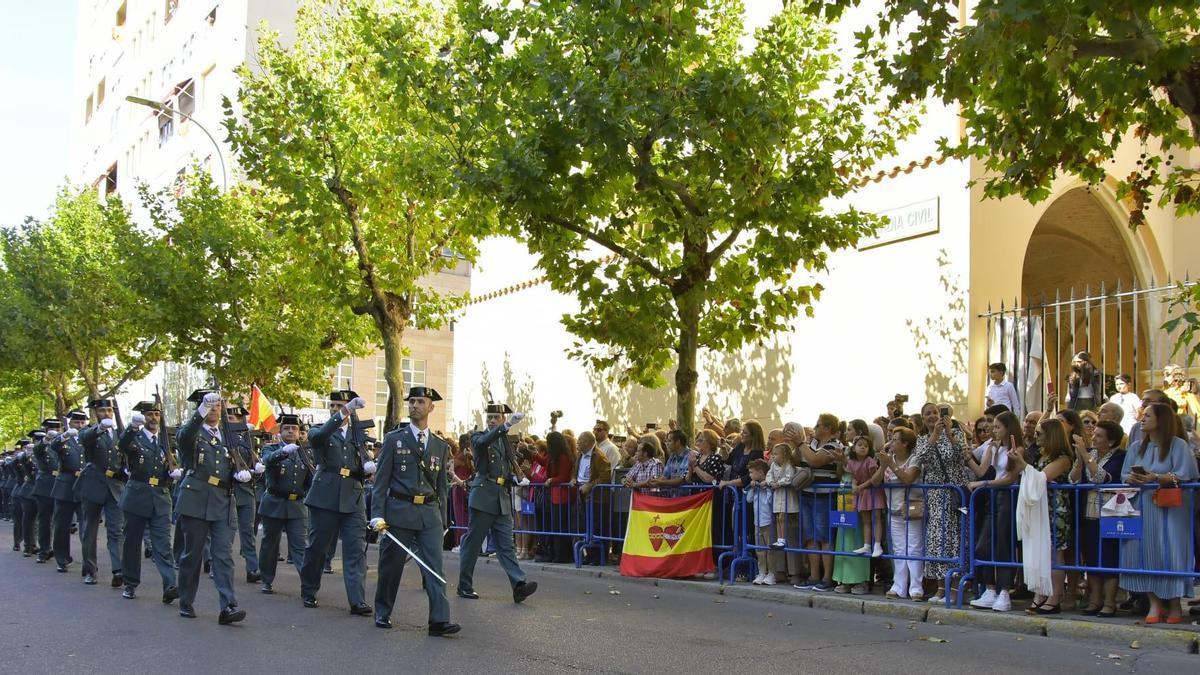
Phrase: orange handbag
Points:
(1168, 497)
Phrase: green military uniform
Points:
(69, 455)
(287, 479)
(147, 503)
(243, 493)
(490, 501)
(29, 506)
(46, 464)
(99, 485)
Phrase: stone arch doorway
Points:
(1080, 267)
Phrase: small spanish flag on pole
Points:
(668, 536)
(262, 413)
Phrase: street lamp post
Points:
(164, 108)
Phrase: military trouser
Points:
(426, 543)
(245, 516)
(45, 516)
(196, 532)
(4, 508)
(159, 527)
(114, 527)
(268, 556)
(17, 520)
(500, 527)
(63, 513)
(29, 522)
(326, 524)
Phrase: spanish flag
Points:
(668, 536)
(262, 415)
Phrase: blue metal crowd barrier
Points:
(999, 548)
(547, 520)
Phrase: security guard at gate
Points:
(206, 505)
(409, 501)
(336, 504)
(289, 474)
(147, 499)
(66, 500)
(490, 502)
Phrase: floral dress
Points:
(942, 464)
(1059, 507)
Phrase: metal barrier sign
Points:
(1121, 528)
(843, 519)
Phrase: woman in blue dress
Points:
(1163, 459)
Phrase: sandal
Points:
(1174, 619)
(1043, 611)
(1035, 606)
(1092, 611)
(1106, 615)
(1151, 620)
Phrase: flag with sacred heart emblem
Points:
(262, 415)
(668, 536)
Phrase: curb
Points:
(1124, 635)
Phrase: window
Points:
(88, 110)
(381, 388)
(169, 11)
(166, 127)
(100, 93)
(185, 94)
(212, 16)
(121, 12)
(109, 179)
(205, 80)
(413, 371)
(180, 183)
(340, 378)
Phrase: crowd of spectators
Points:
(910, 478)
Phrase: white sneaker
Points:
(1002, 604)
(862, 550)
(769, 580)
(986, 601)
(758, 580)
(877, 551)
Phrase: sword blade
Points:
(415, 557)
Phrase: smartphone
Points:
(945, 412)
(1138, 469)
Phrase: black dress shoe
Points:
(16, 547)
(147, 553)
(207, 566)
(468, 594)
(41, 559)
(128, 593)
(117, 580)
(253, 577)
(62, 569)
(524, 590)
(266, 589)
(280, 559)
(26, 554)
(362, 609)
(89, 579)
(443, 628)
(231, 614)
(186, 611)
(328, 570)
(311, 603)
(170, 595)
(383, 622)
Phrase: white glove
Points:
(259, 468)
(72, 432)
(108, 423)
(289, 449)
(175, 474)
(369, 467)
(242, 476)
(51, 433)
(137, 420)
(210, 399)
(356, 403)
(377, 524)
(515, 419)
(524, 482)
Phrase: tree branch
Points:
(1136, 49)
(716, 253)
(647, 170)
(612, 246)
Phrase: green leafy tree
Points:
(646, 130)
(237, 300)
(1048, 88)
(73, 312)
(359, 127)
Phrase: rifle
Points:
(358, 437)
(239, 462)
(164, 433)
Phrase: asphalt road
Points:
(51, 622)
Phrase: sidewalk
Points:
(1122, 632)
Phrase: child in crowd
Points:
(760, 498)
(1001, 391)
(868, 497)
(779, 478)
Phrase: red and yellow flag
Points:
(262, 413)
(668, 536)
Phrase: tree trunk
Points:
(688, 306)
(391, 330)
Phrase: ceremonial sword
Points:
(414, 556)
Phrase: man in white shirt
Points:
(610, 449)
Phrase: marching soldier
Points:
(147, 499)
(70, 460)
(17, 486)
(206, 505)
(5, 485)
(243, 493)
(46, 464)
(335, 502)
(289, 474)
(25, 492)
(99, 486)
(409, 502)
(490, 502)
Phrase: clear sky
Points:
(37, 44)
